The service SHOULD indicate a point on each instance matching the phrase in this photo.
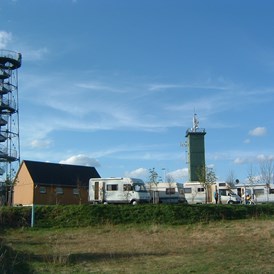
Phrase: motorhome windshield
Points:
(139, 187)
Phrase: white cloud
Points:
(241, 160)
(249, 158)
(153, 87)
(263, 157)
(210, 166)
(178, 174)
(143, 173)
(40, 143)
(96, 86)
(34, 54)
(81, 160)
(5, 38)
(201, 86)
(258, 131)
(137, 173)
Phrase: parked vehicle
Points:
(118, 190)
(168, 193)
(260, 193)
(195, 193)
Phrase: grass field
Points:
(245, 246)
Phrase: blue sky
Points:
(115, 84)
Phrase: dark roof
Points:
(60, 174)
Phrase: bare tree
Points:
(206, 177)
(267, 173)
(230, 180)
(153, 177)
(251, 176)
(169, 180)
(252, 179)
(79, 187)
(153, 180)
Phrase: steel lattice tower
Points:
(10, 61)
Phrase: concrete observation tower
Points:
(10, 61)
(195, 149)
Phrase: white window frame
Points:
(42, 190)
(112, 187)
(76, 191)
(59, 190)
(170, 191)
(187, 190)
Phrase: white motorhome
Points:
(118, 190)
(168, 193)
(195, 193)
(260, 193)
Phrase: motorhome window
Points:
(222, 192)
(127, 187)
(181, 191)
(187, 190)
(170, 190)
(271, 191)
(42, 190)
(112, 187)
(258, 192)
(139, 188)
(59, 190)
(75, 191)
(222, 184)
(201, 189)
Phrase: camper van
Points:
(259, 193)
(167, 193)
(118, 191)
(195, 193)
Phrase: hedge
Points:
(87, 215)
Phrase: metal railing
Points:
(11, 55)
(7, 153)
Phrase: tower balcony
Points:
(10, 59)
(4, 74)
(7, 155)
(3, 120)
(195, 131)
(3, 136)
(5, 88)
(7, 105)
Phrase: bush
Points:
(86, 215)
(14, 216)
(11, 261)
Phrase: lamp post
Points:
(32, 215)
(33, 207)
(164, 174)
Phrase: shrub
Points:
(86, 215)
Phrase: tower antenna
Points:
(195, 125)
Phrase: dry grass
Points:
(222, 247)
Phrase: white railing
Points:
(6, 87)
(10, 54)
(8, 103)
(7, 153)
